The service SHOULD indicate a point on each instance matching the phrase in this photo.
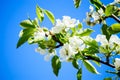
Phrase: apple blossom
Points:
(66, 52)
(102, 39)
(41, 51)
(39, 35)
(117, 63)
(95, 16)
(76, 43)
(101, 12)
(65, 24)
(116, 1)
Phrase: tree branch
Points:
(115, 17)
(103, 62)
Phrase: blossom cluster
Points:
(64, 25)
(70, 48)
(93, 17)
(113, 43)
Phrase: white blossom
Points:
(69, 22)
(116, 1)
(117, 63)
(39, 35)
(101, 12)
(66, 52)
(102, 39)
(59, 26)
(114, 39)
(76, 43)
(65, 24)
(41, 51)
(95, 16)
(91, 8)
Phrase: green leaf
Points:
(75, 64)
(79, 74)
(90, 67)
(96, 58)
(27, 33)
(50, 16)
(115, 28)
(109, 78)
(96, 3)
(103, 50)
(105, 31)
(109, 10)
(56, 65)
(86, 32)
(27, 24)
(39, 13)
(77, 3)
(92, 43)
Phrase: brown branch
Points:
(103, 62)
(58, 45)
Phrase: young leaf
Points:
(56, 65)
(109, 10)
(90, 67)
(27, 24)
(115, 28)
(77, 3)
(27, 33)
(86, 32)
(39, 13)
(75, 64)
(50, 16)
(79, 74)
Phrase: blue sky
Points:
(24, 63)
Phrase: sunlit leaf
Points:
(86, 32)
(50, 16)
(27, 33)
(103, 50)
(109, 10)
(56, 65)
(39, 13)
(90, 67)
(115, 28)
(27, 24)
